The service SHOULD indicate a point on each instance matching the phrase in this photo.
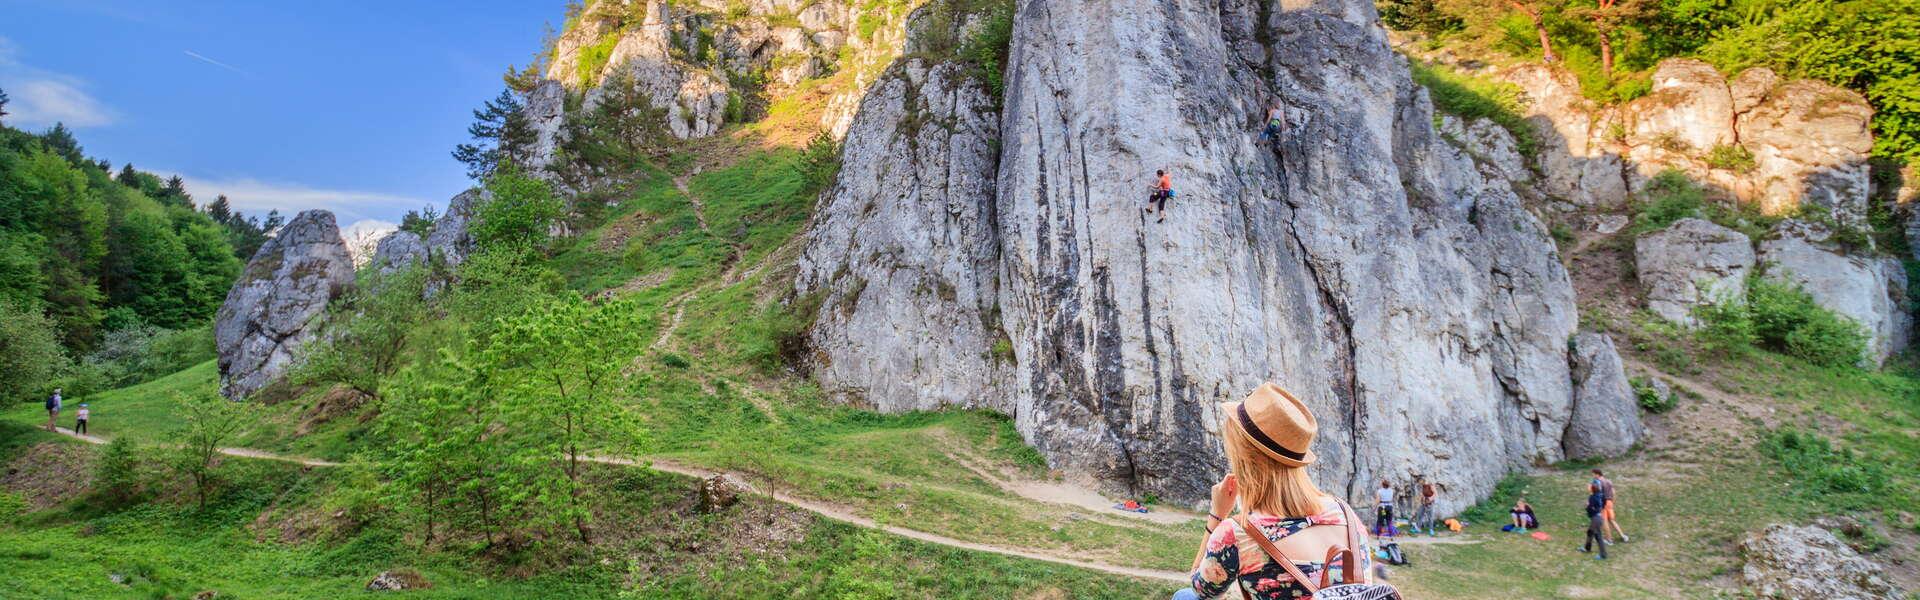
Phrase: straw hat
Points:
(1276, 422)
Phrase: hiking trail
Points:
(823, 509)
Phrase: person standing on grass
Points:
(1383, 511)
(1606, 488)
(1596, 522)
(53, 410)
(1423, 516)
(80, 419)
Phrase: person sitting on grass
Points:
(1523, 518)
(1268, 439)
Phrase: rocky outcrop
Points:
(1606, 418)
(450, 241)
(1367, 265)
(1775, 144)
(271, 310)
(1692, 263)
(903, 249)
(1869, 290)
(1790, 562)
(399, 250)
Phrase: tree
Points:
(3, 103)
(30, 352)
(220, 210)
(1608, 15)
(520, 213)
(61, 142)
(622, 131)
(116, 478)
(419, 222)
(207, 422)
(368, 331)
(502, 136)
(1537, 11)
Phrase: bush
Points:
(1725, 327)
(1813, 460)
(1470, 97)
(116, 478)
(820, 162)
(1669, 197)
(1786, 319)
(988, 48)
(30, 355)
(1649, 397)
(1730, 157)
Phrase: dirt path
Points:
(1053, 492)
(830, 511)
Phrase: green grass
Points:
(1470, 97)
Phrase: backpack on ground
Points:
(1391, 553)
(1352, 584)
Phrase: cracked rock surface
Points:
(273, 307)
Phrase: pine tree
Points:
(501, 136)
(175, 194)
(220, 210)
(60, 140)
(3, 103)
(128, 177)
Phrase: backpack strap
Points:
(1274, 553)
(1350, 570)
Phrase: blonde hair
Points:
(1265, 485)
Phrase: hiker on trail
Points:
(1276, 124)
(1606, 487)
(1596, 521)
(80, 419)
(1523, 518)
(1383, 510)
(1423, 517)
(1284, 515)
(53, 410)
(1162, 191)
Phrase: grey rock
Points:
(1609, 224)
(398, 580)
(1750, 88)
(399, 250)
(720, 492)
(451, 239)
(1791, 562)
(1692, 263)
(1369, 266)
(1810, 142)
(1689, 104)
(901, 251)
(1870, 290)
(270, 311)
(1606, 417)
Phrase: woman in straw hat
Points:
(1268, 439)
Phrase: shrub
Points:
(1786, 319)
(31, 355)
(988, 48)
(1649, 397)
(1731, 157)
(1669, 197)
(116, 478)
(1725, 326)
(1812, 459)
(675, 360)
(1470, 97)
(820, 162)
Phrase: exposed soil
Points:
(48, 473)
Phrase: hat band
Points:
(1246, 423)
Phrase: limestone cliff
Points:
(1365, 263)
(271, 310)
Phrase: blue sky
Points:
(347, 105)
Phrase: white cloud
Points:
(38, 98)
(256, 197)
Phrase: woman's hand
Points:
(1225, 494)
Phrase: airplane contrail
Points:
(216, 63)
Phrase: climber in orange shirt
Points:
(1162, 190)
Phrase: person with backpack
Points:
(1606, 487)
(1162, 191)
(1383, 510)
(1276, 124)
(1596, 521)
(80, 419)
(1283, 515)
(53, 410)
(1423, 516)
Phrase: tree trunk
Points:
(1539, 27)
(1606, 49)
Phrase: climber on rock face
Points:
(1162, 190)
(1276, 124)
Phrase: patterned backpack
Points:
(1352, 584)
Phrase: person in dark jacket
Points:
(1596, 521)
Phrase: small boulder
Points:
(398, 579)
(1606, 418)
(719, 492)
(1791, 562)
(1692, 263)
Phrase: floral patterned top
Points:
(1233, 557)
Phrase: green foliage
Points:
(31, 354)
(1826, 471)
(988, 47)
(1731, 157)
(820, 162)
(502, 137)
(520, 212)
(117, 477)
(618, 137)
(1671, 196)
(1495, 508)
(1785, 319)
(367, 332)
(1470, 97)
(207, 422)
(1649, 397)
(593, 59)
(141, 352)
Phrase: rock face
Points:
(1872, 291)
(397, 251)
(1606, 419)
(1807, 141)
(270, 311)
(1787, 562)
(450, 241)
(1692, 263)
(1368, 266)
(902, 254)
